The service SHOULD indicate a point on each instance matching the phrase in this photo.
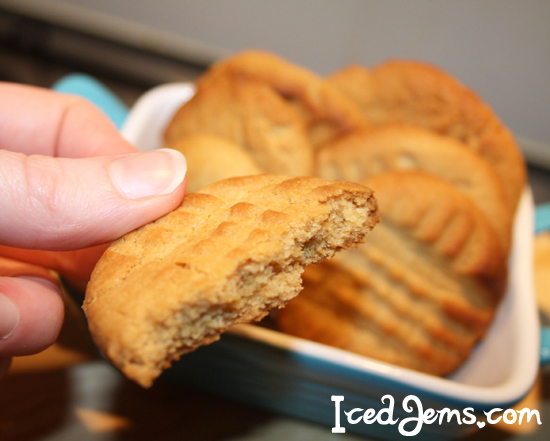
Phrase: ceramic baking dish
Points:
(279, 372)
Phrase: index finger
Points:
(34, 120)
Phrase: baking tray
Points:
(275, 371)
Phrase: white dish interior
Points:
(502, 367)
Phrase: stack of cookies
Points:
(420, 291)
(447, 175)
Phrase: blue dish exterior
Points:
(301, 386)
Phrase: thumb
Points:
(65, 204)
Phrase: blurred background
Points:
(497, 47)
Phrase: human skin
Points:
(69, 185)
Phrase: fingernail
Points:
(9, 316)
(154, 173)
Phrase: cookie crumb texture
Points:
(227, 255)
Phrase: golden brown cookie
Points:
(329, 113)
(227, 255)
(211, 159)
(408, 147)
(253, 116)
(421, 290)
(421, 94)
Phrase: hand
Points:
(69, 184)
